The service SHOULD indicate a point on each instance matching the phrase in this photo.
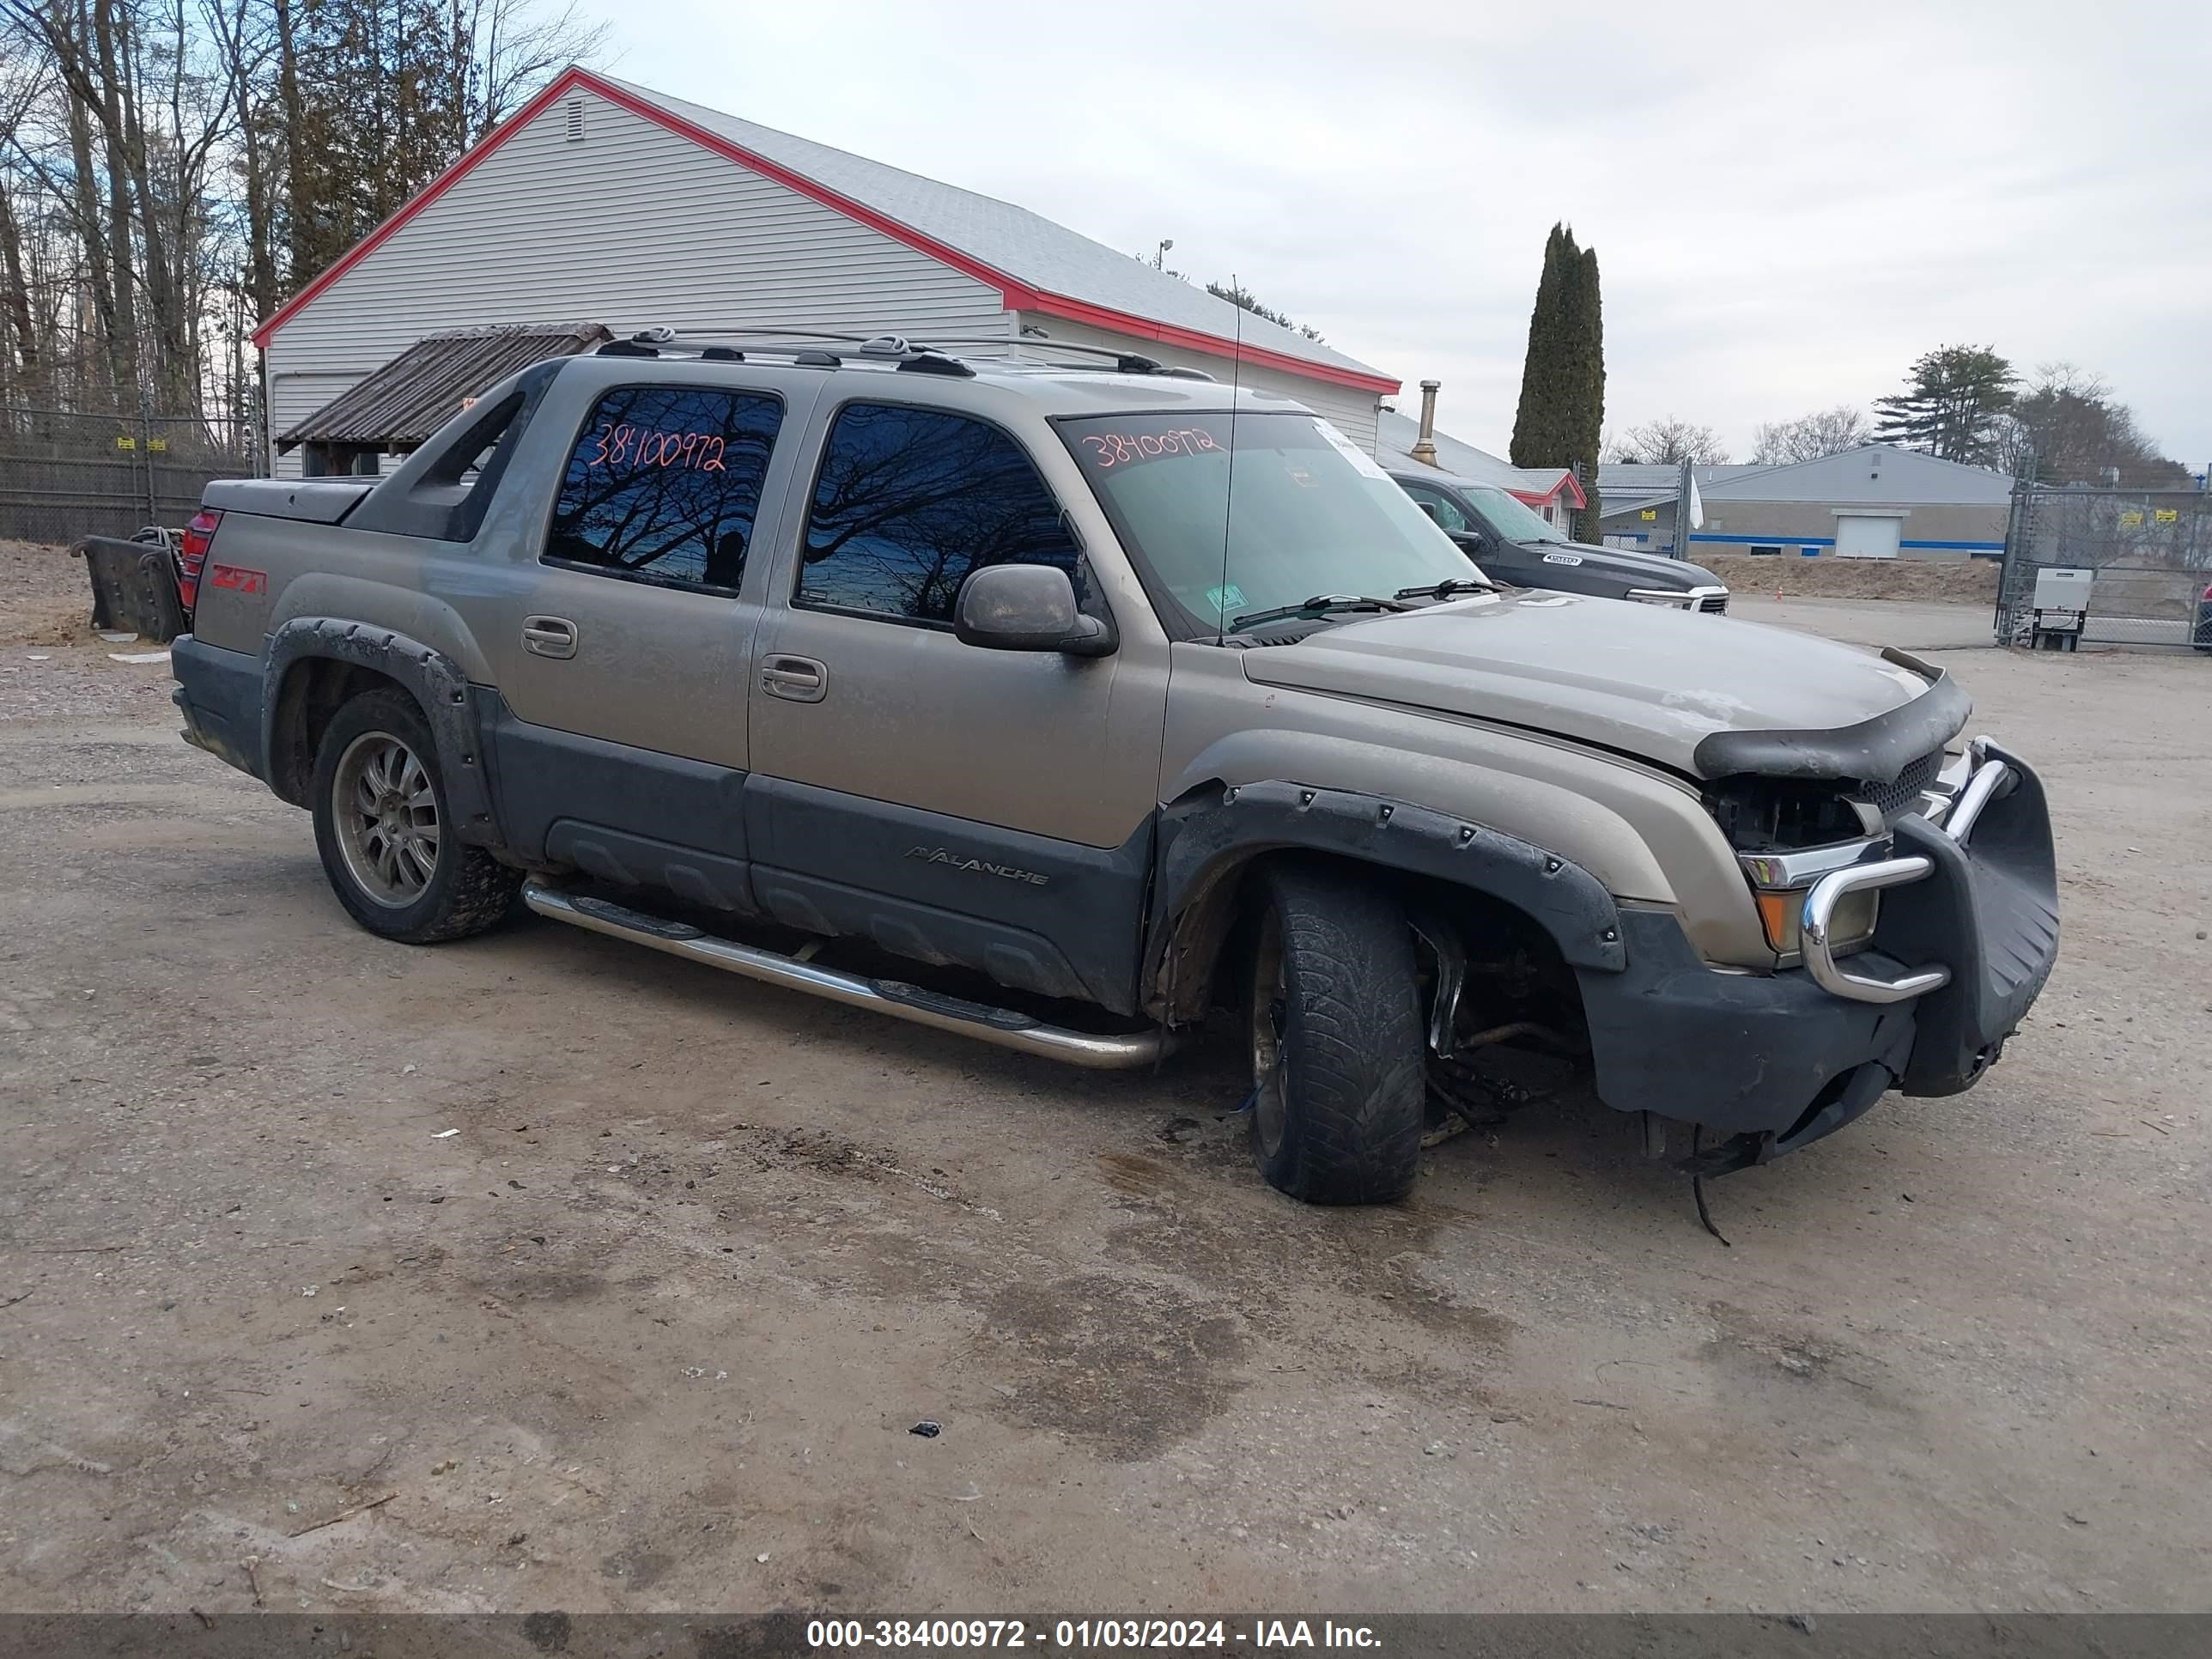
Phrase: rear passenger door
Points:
(992, 808)
(630, 635)
(621, 655)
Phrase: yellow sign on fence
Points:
(2131, 519)
(1651, 515)
(2166, 515)
(127, 443)
(158, 446)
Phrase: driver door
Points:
(991, 808)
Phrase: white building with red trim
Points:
(606, 201)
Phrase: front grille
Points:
(1894, 800)
(1713, 602)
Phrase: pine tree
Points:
(1951, 407)
(1538, 436)
(1589, 411)
(1562, 410)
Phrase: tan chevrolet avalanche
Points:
(1069, 705)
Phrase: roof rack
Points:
(805, 346)
(1125, 362)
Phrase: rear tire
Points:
(1337, 1066)
(386, 831)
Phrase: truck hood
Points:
(1706, 696)
(1638, 569)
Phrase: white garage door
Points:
(1866, 537)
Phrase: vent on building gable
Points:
(576, 120)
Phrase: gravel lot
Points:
(652, 1329)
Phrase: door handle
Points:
(797, 679)
(548, 636)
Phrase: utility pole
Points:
(1682, 513)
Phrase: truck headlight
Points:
(1779, 882)
(1673, 598)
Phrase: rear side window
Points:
(663, 485)
(910, 501)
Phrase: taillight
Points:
(191, 554)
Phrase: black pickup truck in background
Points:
(1513, 544)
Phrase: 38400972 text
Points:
(1112, 449)
(626, 445)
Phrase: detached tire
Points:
(1335, 1039)
(385, 830)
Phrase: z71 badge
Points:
(1563, 558)
(980, 866)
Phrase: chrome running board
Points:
(1002, 1026)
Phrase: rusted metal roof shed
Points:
(402, 403)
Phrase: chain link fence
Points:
(2149, 553)
(64, 475)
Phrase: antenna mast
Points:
(1229, 486)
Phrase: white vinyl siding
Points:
(1351, 410)
(630, 226)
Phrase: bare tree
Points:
(2068, 428)
(172, 170)
(1667, 442)
(1808, 438)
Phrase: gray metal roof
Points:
(1025, 246)
(1871, 474)
(403, 402)
(1395, 434)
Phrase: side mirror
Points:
(1429, 508)
(1470, 541)
(1027, 607)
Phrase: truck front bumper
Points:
(1968, 933)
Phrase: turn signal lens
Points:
(1782, 913)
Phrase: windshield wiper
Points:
(1444, 590)
(1320, 605)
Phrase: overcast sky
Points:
(1790, 202)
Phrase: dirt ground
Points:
(1957, 581)
(549, 1272)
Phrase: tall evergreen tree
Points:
(1952, 405)
(1590, 410)
(1538, 436)
(1562, 410)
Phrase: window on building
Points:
(910, 501)
(662, 485)
(1773, 551)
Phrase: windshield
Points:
(1309, 513)
(1510, 517)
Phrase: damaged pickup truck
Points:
(1106, 697)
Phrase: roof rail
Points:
(802, 346)
(805, 345)
(1125, 362)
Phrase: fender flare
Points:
(436, 682)
(1206, 838)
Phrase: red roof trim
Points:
(1015, 295)
(1544, 497)
(429, 193)
(1190, 339)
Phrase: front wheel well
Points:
(1205, 959)
(314, 689)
